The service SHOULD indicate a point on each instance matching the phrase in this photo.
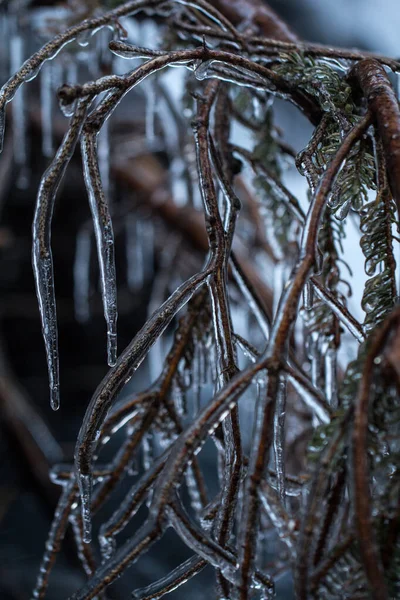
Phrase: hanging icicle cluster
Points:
(246, 344)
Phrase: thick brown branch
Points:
(381, 97)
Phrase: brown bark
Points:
(376, 87)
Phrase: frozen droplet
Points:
(83, 38)
(370, 266)
(67, 108)
(343, 210)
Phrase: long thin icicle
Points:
(41, 252)
(104, 238)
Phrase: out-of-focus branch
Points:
(145, 174)
(33, 442)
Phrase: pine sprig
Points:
(377, 221)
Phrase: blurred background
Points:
(27, 499)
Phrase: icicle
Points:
(279, 438)
(151, 110)
(178, 184)
(179, 396)
(44, 277)
(147, 451)
(149, 242)
(19, 128)
(104, 240)
(169, 125)
(283, 525)
(85, 489)
(331, 377)
(82, 550)
(195, 498)
(46, 99)
(41, 252)
(134, 235)
(82, 275)
(315, 357)
(308, 296)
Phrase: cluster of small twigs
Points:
(335, 523)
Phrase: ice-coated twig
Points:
(212, 552)
(279, 438)
(313, 510)
(125, 556)
(104, 235)
(284, 194)
(56, 535)
(41, 253)
(157, 395)
(343, 314)
(177, 577)
(280, 518)
(361, 490)
(253, 502)
(32, 66)
(311, 396)
(220, 241)
(123, 370)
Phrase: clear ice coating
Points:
(104, 239)
(56, 534)
(179, 576)
(41, 251)
(44, 277)
(85, 490)
(279, 438)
